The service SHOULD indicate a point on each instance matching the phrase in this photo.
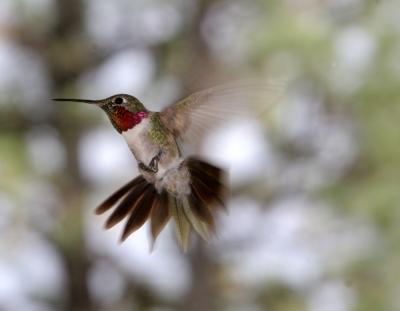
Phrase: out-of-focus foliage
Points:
(314, 218)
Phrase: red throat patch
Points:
(124, 119)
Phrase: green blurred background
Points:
(314, 218)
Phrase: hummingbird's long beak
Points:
(87, 101)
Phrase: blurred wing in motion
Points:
(193, 117)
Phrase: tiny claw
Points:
(154, 162)
(153, 165)
(142, 166)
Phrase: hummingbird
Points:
(187, 189)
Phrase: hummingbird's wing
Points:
(191, 118)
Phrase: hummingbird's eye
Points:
(119, 100)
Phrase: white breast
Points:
(139, 143)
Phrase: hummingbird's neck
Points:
(123, 119)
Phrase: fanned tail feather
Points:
(160, 215)
(117, 195)
(208, 192)
(182, 224)
(139, 200)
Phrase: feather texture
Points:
(160, 215)
(122, 210)
(201, 211)
(182, 225)
(140, 212)
(198, 225)
(139, 201)
(196, 115)
(208, 184)
(117, 195)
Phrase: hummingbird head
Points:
(124, 111)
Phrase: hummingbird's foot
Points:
(154, 162)
(153, 165)
(146, 168)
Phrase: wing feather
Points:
(196, 115)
